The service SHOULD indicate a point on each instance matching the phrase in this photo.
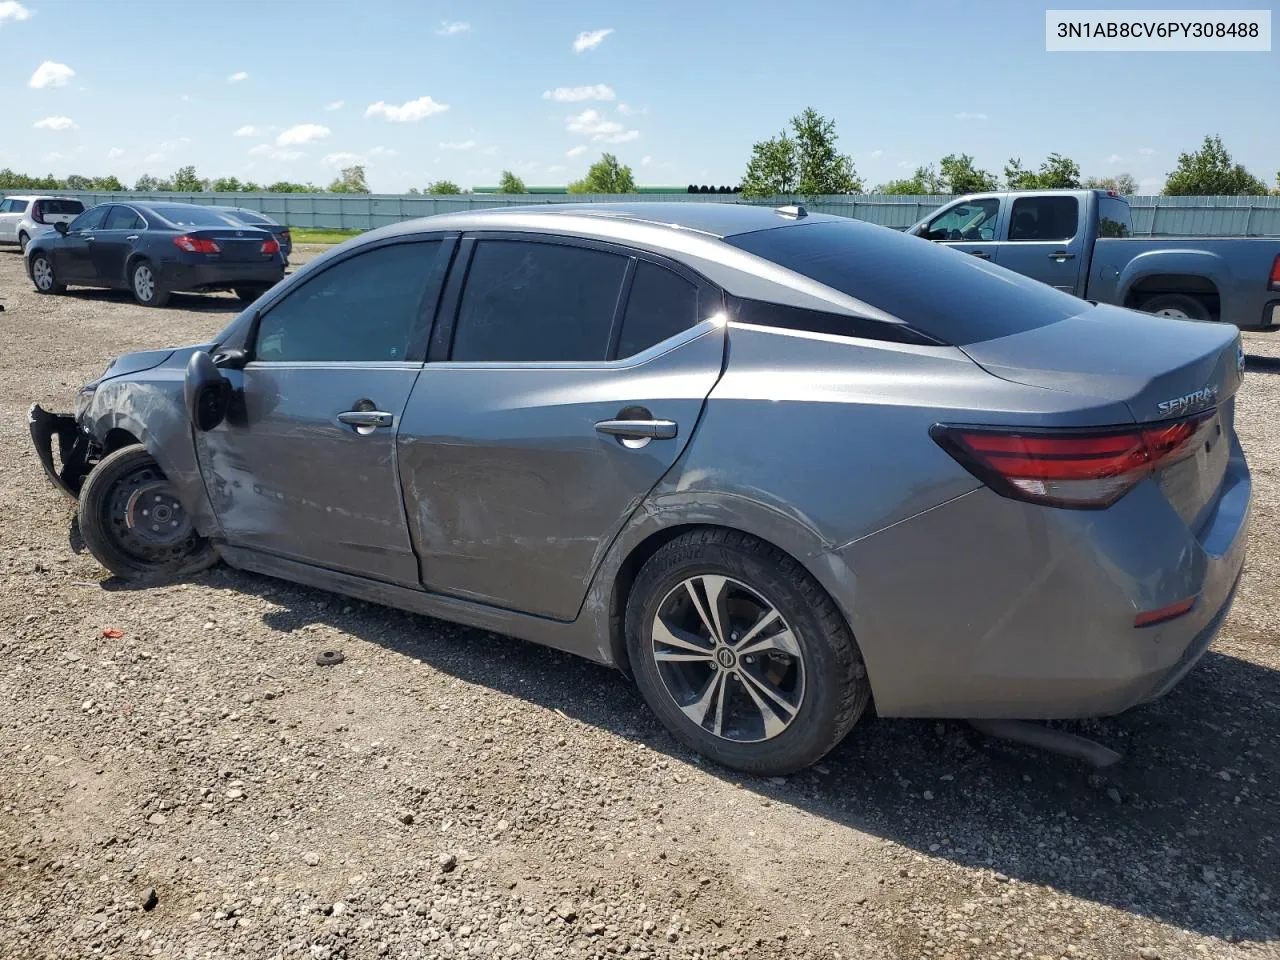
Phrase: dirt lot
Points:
(201, 789)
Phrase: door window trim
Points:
(415, 354)
(1002, 207)
(441, 347)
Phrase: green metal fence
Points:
(1157, 216)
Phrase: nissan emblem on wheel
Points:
(747, 455)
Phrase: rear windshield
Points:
(951, 296)
(194, 216)
(55, 207)
(249, 216)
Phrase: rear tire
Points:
(769, 679)
(146, 286)
(133, 524)
(23, 240)
(1178, 306)
(42, 275)
(250, 294)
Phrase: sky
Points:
(418, 91)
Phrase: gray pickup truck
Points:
(1080, 241)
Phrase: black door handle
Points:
(980, 254)
(1062, 255)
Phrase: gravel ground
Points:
(198, 787)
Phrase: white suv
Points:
(21, 218)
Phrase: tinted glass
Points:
(14, 206)
(661, 305)
(249, 216)
(531, 302)
(1114, 218)
(1044, 218)
(61, 207)
(89, 220)
(123, 218)
(194, 216)
(365, 308)
(975, 220)
(949, 295)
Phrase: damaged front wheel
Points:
(133, 522)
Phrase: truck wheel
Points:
(741, 654)
(1176, 305)
(133, 523)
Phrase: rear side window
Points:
(1114, 218)
(14, 206)
(948, 295)
(363, 309)
(661, 305)
(537, 302)
(123, 218)
(60, 207)
(1044, 218)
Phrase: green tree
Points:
(1122, 183)
(147, 184)
(924, 182)
(77, 182)
(21, 181)
(803, 161)
(606, 175)
(284, 186)
(510, 183)
(1056, 173)
(350, 180)
(1209, 172)
(184, 180)
(227, 185)
(959, 175)
(109, 182)
(772, 169)
(442, 188)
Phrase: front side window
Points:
(89, 220)
(661, 305)
(1044, 218)
(527, 301)
(972, 221)
(363, 309)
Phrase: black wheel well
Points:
(116, 438)
(1201, 288)
(626, 576)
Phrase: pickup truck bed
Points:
(1080, 241)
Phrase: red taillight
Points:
(37, 212)
(1274, 282)
(196, 244)
(271, 246)
(1083, 469)
(1152, 617)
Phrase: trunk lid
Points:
(237, 244)
(1158, 367)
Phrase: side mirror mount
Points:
(233, 358)
(206, 392)
(61, 227)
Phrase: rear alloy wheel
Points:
(134, 524)
(1178, 306)
(742, 654)
(146, 285)
(43, 277)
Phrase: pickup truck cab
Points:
(1080, 241)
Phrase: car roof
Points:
(35, 196)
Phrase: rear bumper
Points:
(73, 448)
(220, 276)
(985, 608)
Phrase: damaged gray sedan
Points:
(773, 464)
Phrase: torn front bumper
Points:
(73, 448)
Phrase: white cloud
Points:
(408, 111)
(626, 110)
(55, 123)
(170, 145)
(645, 161)
(12, 10)
(335, 105)
(248, 130)
(1115, 158)
(589, 39)
(303, 133)
(341, 159)
(449, 28)
(590, 123)
(115, 153)
(907, 164)
(597, 91)
(1147, 152)
(153, 158)
(877, 154)
(50, 74)
(457, 145)
(237, 77)
(972, 116)
(577, 151)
